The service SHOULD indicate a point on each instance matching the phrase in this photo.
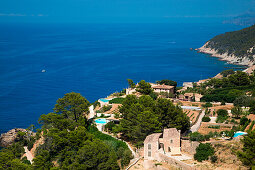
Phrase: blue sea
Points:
(94, 60)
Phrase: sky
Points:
(121, 10)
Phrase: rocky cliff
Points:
(236, 47)
(8, 138)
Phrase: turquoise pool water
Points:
(190, 107)
(239, 134)
(101, 121)
(104, 100)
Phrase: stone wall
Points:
(163, 158)
(189, 146)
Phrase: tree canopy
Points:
(144, 87)
(143, 116)
(167, 82)
(247, 155)
(72, 106)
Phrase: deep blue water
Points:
(94, 60)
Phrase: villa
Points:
(156, 88)
(163, 88)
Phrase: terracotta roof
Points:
(162, 87)
(189, 94)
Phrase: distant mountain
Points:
(236, 47)
(245, 19)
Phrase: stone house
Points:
(163, 88)
(190, 97)
(168, 143)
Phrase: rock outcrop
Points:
(230, 58)
(8, 138)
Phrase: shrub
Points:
(206, 119)
(25, 161)
(214, 158)
(154, 95)
(117, 100)
(214, 127)
(126, 157)
(96, 103)
(203, 152)
(196, 137)
(222, 115)
(106, 108)
(207, 104)
(243, 101)
(225, 73)
(245, 125)
(243, 120)
(109, 126)
(251, 126)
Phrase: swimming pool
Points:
(239, 133)
(101, 121)
(104, 100)
(190, 107)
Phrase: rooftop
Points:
(162, 87)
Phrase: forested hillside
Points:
(240, 43)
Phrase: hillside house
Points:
(163, 88)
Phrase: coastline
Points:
(231, 59)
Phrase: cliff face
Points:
(236, 47)
(8, 138)
(231, 58)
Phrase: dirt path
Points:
(28, 155)
(196, 126)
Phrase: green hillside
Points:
(238, 43)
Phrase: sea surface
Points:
(94, 60)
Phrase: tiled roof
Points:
(163, 87)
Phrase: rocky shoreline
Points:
(231, 59)
(8, 138)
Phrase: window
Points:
(169, 149)
(149, 146)
(171, 141)
(149, 154)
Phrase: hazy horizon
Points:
(121, 11)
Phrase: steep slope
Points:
(237, 47)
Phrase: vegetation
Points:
(117, 100)
(72, 106)
(226, 73)
(228, 89)
(143, 116)
(237, 111)
(96, 103)
(109, 126)
(206, 119)
(105, 108)
(70, 142)
(10, 157)
(222, 115)
(167, 82)
(144, 87)
(203, 152)
(237, 42)
(247, 155)
(207, 104)
(131, 83)
(244, 100)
